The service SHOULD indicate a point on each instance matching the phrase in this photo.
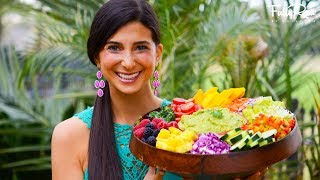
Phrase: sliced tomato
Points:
(190, 100)
(179, 114)
(173, 107)
(197, 107)
(179, 101)
(177, 119)
(187, 107)
(190, 112)
(178, 108)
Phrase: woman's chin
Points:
(128, 90)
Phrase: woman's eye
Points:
(142, 47)
(113, 48)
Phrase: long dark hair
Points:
(104, 162)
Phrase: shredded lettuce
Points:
(267, 106)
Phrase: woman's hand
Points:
(154, 174)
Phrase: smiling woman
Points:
(124, 44)
(129, 58)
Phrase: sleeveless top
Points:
(132, 168)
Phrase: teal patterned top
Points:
(132, 168)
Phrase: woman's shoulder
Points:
(71, 135)
(73, 127)
(85, 116)
(69, 130)
(69, 146)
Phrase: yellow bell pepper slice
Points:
(198, 97)
(237, 93)
(209, 99)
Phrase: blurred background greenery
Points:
(46, 76)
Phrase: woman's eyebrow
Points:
(142, 42)
(113, 42)
(135, 43)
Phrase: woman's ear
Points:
(159, 53)
(97, 63)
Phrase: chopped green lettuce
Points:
(267, 106)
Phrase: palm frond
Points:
(26, 117)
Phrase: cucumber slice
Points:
(254, 143)
(238, 137)
(263, 143)
(266, 141)
(251, 132)
(269, 133)
(240, 144)
(246, 147)
(231, 134)
(260, 140)
(270, 140)
(256, 136)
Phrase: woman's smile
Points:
(128, 77)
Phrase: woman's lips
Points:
(128, 78)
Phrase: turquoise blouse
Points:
(132, 168)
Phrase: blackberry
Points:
(151, 141)
(156, 132)
(147, 132)
(144, 140)
(150, 125)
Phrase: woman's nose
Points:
(128, 61)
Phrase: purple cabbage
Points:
(209, 143)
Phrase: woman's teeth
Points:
(128, 76)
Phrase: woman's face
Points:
(129, 58)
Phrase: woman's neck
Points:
(127, 108)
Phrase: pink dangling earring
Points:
(156, 82)
(99, 84)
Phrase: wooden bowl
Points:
(222, 166)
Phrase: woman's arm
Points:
(66, 150)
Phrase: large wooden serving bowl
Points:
(222, 166)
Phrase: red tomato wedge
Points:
(179, 101)
(190, 100)
(197, 107)
(179, 114)
(187, 107)
(174, 107)
(178, 109)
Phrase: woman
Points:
(124, 44)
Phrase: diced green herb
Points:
(165, 113)
(217, 114)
